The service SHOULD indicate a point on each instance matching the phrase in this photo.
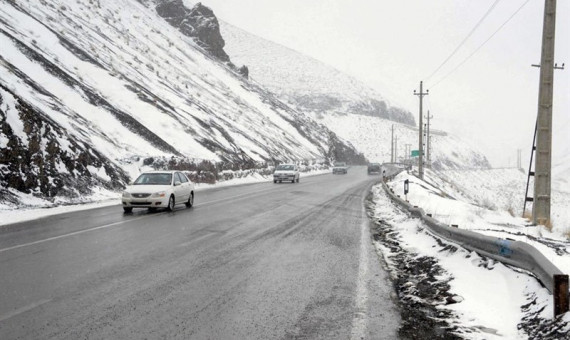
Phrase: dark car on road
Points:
(340, 168)
(374, 168)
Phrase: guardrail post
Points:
(560, 294)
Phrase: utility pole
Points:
(429, 150)
(396, 150)
(421, 94)
(543, 162)
(408, 152)
(428, 141)
(392, 146)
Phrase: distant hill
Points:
(348, 107)
(304, 82)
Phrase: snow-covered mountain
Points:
(305, 82)
(89, 89)
(351, 109)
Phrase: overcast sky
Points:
(391, 45)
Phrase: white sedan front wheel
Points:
(190, 202)
(170, 203)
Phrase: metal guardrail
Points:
(515, 253)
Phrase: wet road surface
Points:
(260, 261)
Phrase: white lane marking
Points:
(23, 309)
(71, 234)
(121, 222)
(360, 318)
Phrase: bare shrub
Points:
(548, 225)
(527, 215)
(511, 211)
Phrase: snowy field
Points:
(493, 196)
(505, 302)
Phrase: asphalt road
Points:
(261, 261)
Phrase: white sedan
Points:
(286, 172)
(158, 189)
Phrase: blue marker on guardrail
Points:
(505, 248)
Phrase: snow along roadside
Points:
(444, 289)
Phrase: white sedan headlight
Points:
(159, 194)
(126, 194)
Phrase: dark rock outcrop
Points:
(379, 108)
(199, 22)
(43, 159)
(244, 71)
(173, 11)
(367, 107)
(340, 151)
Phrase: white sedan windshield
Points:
(154, 179)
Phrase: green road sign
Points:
(415, 153)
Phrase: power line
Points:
(464, 39)
(483, 44)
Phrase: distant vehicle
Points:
(340, 168)
(286, 172)
(158, 189)
(374, 168)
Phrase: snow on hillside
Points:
(372, 136)
(117, 80)
(484, 200)
(349, 108)
(305, 82)
(501, 189)
(504, 190)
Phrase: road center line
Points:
(23, 309)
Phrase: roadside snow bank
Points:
(451, 206)
(504, 189)
(489, 309)
(504, 302)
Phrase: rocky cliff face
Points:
(366, 106)
(37, 156)
(198, 22)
